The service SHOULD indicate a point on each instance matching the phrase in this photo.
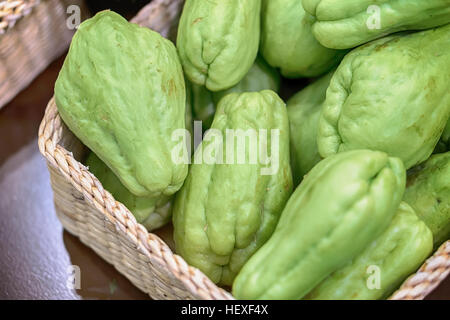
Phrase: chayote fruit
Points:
(218, 41)
(347, 24)
(260, 77)
(227, 209)
(152, 212)
(394, 255)
(200, 100)
(304, 111)
(341, 206)
(390, 95)
(287, 41)
(121, 92)
(428, 192)
(189, 119)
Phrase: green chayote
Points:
(218, 41)
(121, 92)
(260, 77)
(200, 100)
(230, 204)
(428, 192)
(287, 41)
(189, 117)
(304, 111)
(341, 206)
(390, 95)
(152, 212)
(393, 256)
(347, 24)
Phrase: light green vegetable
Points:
(218, 41)
(260, 77)
(384, 264)
(304, 111)
(152, 212)
(342, 205)
(390, 95)
(428, 192)
(347, 24)
(121, 92)
(228, 207)
(287, 41)
(200, 100)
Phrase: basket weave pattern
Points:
(105, 225)
(32, 34)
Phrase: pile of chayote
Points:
(359, 194)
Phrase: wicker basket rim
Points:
(11, 11)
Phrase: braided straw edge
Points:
(417, 287)
(25, 8)
(427, 278)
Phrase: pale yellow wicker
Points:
(32, 34)
(91, 213)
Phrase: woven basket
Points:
(105, 225)
(32, 34)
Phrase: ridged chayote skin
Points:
(393, 256)
(347, 24)
(304, 111)
(287, 41)
(390, 95)
(152, 212)
(121, 92)
(260, 77)
(342, 205)
(428, 192)
(218, 41)
(225, 212)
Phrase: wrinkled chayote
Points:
(428, 192)
(341, 206)
(121, 92)
(393, 256)
(347, 24)
(260, 77)
(225, 212)
(218, 41)
(152, 212)
(304, 111)
(390, 95)
(287, 41)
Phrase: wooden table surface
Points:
(35, 252)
